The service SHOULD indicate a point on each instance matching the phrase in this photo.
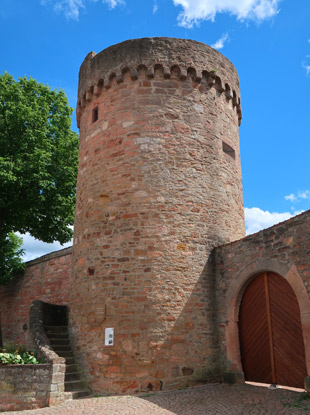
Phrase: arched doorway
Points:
(270, 332)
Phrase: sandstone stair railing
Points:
(42, 344)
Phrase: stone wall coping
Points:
(26, 366)
(51, 255)
(252, 235)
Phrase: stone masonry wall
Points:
(46, 279)
(284, 249)
(24, 387)
(159, 186)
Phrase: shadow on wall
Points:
(190, 354)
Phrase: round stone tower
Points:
(159, 186)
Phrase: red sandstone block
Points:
(125, 385)
(114, 369)
(171, 318)
(130, 215)
(123, 259)
(140, 299)
(177, 339)
(140, 252)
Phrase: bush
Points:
(17, 355)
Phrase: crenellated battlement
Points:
(166, 58)
(206, 80)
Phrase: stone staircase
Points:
(75, 386)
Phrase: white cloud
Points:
(304, 195)
(71, 8)
(196, 10)
(305, 65)
(155, 7)
(35, 248)
(257, 219)
(307, 68)
(112, 3)
(290, 197)
(301, 195)
(219, 44)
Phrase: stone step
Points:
(56, 342)
(61, 348)
(56, 329)
(69, 360)
(82, 393)
(71, 368)
(77, 394)
(72, 376)
(58, 336)
(74, 385)
(64, 353)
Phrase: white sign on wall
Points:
(109, 337)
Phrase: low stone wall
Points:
(24, 386)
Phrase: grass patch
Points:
(302, 402)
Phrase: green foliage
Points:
(38, 161)
(16, 355)
(10, 257)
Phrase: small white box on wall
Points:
(109, 337)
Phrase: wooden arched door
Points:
(271, 338)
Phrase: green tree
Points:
(38, 161)
(10, 257)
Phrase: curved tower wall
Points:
(159, 186)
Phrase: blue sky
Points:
(268, 41)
